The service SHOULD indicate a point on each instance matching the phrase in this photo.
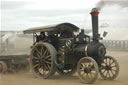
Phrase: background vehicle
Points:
(13, 63)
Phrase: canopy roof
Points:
(56, 28)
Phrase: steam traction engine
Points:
(68, 55)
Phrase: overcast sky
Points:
(24, 14)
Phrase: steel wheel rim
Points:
(87, 70)
(41, 60)
(109, 68)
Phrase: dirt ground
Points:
(27, 78)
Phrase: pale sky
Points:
(24, 14)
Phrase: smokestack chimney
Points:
(94, 13)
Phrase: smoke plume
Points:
(102, 3)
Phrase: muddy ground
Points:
(26, 78)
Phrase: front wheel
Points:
(87, 69)
(109, 69)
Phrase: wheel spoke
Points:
(38, 51)
(35, 65)
(36, 61)
(104, 71)
(84, 75)
(48, 66)
(49, 59)
(112, 72)
(39, 67)
(81, 65)
(35, 57)
(47, 62)
(111, 63)
(47, 56)
(45, 52)
(109, 74)
(41, 50)
(102, 67)
(113, 66)
(45, 66)
(84, 65)
(113, 69)
(91, 75)
(106, 62)
(37, 54)
(88, 77)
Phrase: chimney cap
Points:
(94, 10)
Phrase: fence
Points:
(116, 44)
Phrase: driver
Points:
(41, 37)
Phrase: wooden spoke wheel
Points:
(109, 69)
(3, 67)
(41, 60)
(65, 72)
(87, 69)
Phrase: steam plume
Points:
(102, 3)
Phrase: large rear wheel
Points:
(42, 60)
(87, 69)
(109, 69)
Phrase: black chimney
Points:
(94, 13)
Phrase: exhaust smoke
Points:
(102, 3)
